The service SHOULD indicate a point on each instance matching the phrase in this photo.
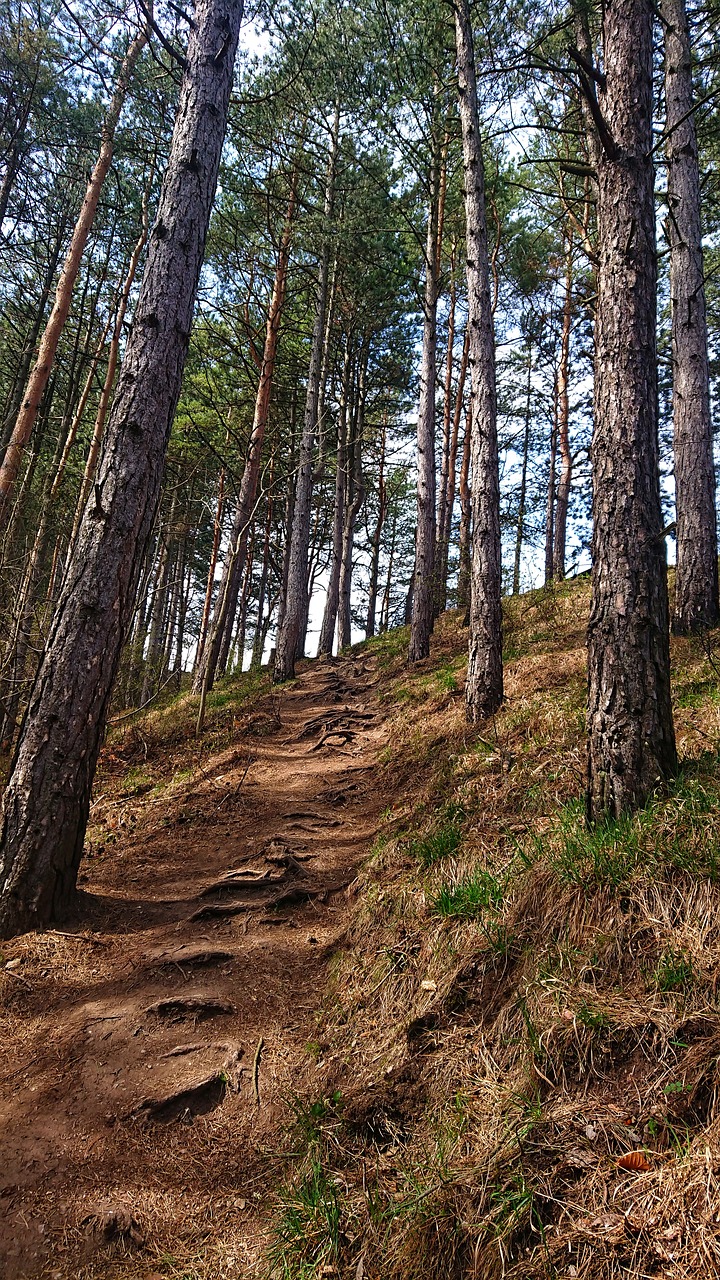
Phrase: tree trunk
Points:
(463, 591)
(353, 502)
(631, 738)
(376, 539)
(104, 401)
(424, 580)
(327, 630)
(563, 435)
(215, 651)
(47, 798)
(440, 601)
(214, 551)
(63, 294)
(550, 496)
(520, 535)
(452, 464)
(290, 631)
(696, 579)
(484, 687)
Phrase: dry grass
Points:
(489, 1055)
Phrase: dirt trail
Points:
(146, 1056)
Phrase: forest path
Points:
(146, 1059)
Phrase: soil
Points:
(149, 1051)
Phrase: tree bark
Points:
(696, 579)
(484, 687)
(452, 464)
(550, 495)
(563, 434)
(522, 502)
(63, 294)
(327, 630)
(104, 401)
(47, 798)
(421, 622)
(440, 601)
(290, 630)
(463, 591)
(216, 649)
(376, 539)
(630, 727)
(354, 498)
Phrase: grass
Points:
(469, 897)
(571, 1005)
(307, 1230)
(437, 845)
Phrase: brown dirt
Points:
(133, 1142)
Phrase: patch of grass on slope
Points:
(514, 1017)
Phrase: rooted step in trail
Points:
(148, 1055)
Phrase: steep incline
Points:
(186, 994)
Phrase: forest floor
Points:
(356, 994)
(148, 1052)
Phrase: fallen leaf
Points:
(635, 1160)
(428, 985)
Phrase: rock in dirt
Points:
(177, 1008)
(108, 1223)
(191, 957)
(194, 1099)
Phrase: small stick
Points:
(256, 1069)
(11, 974)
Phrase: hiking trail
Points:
(149, 1050)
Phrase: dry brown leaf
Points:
(635, 1160)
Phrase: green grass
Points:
(469, 897)
(674, 971)
(677, 830)
(439, 844)
(307, 1232)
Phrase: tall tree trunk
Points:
(214, 550)
(327, 630)
(215, 651)
(47, 798)
(385, 606)
(550, 495)
(630, 727)
(423, 580)
(353, 502)
(63, 294)
(440, 601)
(563, 435)
(484, 687)
(104, 401)
(463, 591)
(522, 502)
(452, 465)
(376, 539)
(292, 623)
(696, 579)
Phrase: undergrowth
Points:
(523, 1002)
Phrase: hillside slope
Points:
(520, 1048)
(446, 1031)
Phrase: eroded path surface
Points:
(147, 1055)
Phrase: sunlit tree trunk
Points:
(47, 798)
(484, 686)
(424, 579)
(696, 578)
(63, 294)
(630, 727)
(563, 434)
(297, 581)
